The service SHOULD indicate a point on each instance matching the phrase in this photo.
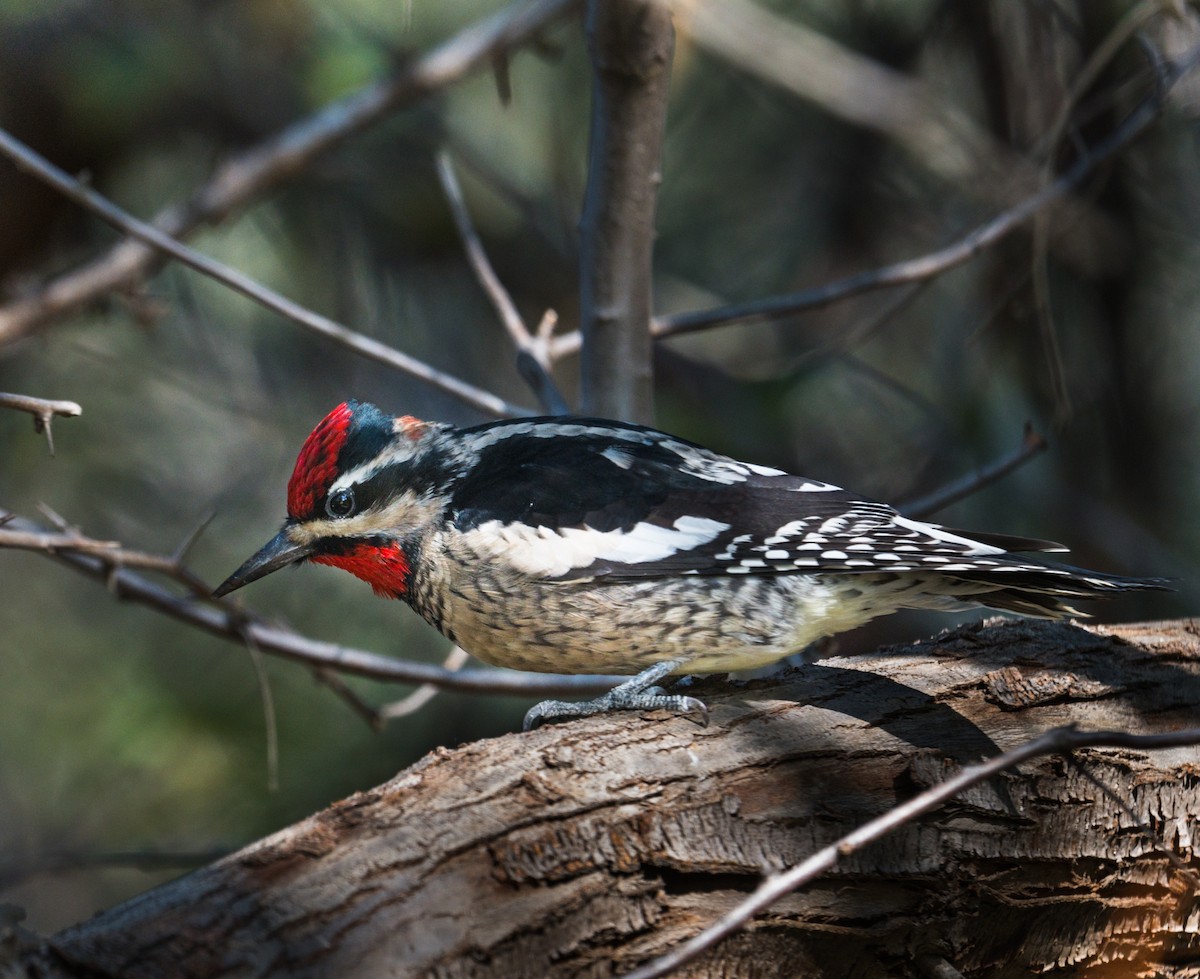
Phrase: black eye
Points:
(340, 503)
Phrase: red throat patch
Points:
(383, 568)
(316, 466)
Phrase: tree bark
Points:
(587, 848)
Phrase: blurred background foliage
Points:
(123, 731)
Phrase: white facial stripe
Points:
(543, 551)
(392, 518)
(939, 533)
(400, 450)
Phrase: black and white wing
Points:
(583, 498)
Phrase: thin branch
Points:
(936, 262)
(1031, 445)
(1107, 50)
(865, 92)
(455, 660)
(270, 720)
(630, 44)
(477, 257)
(378, 717)
(1061, 740)
(69, 540)
(37, 165)
(349, 697)
(53, 542)
(43, 412)
(68, 861)
(229, 621)
(251, 173)
(532, 356)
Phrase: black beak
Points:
(279, 552)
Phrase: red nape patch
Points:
(316, 466)
(383, 568)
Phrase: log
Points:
(588, 848)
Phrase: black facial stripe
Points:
(391, 481)
(346, 545)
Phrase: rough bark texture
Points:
(586, 848)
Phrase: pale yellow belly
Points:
(717, 625)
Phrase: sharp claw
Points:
(634, 694)
(533, 718)
(699, 709)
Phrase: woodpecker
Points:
(581, 545)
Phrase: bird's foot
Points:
(639, 693)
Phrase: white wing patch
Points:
(940, 533)
(549, 552)
(618, 457)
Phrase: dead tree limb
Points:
(593, 847)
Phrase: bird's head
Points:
(364, 486)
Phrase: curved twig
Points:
(532, 359)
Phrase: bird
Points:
(568, 544)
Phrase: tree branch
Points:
(865, 92)
(251, 173)
(533, 360)
(228, 621)
(1031, 445)
(944, 259)
(239, 282)
(631, 44)
(613, 839)
(43, 412)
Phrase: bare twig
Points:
(251, 173)
(1062, 740)
(1031, 444)
(631, 44)
(455, 660)
(68, 861)
(378, 717)
(845, 83)
(1105, 52)
(83, 195)
(43, 412)
(270, 723)
(228, 621)
(349, 697)
(502, 302)
(53, 542)
(532, 348)
(116, 556)
(936, 262)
